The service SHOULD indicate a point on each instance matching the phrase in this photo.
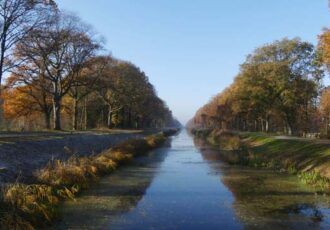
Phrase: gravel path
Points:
(22, 154)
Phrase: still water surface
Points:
(187, 186)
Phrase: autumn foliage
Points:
(277, 90)
(62, 80)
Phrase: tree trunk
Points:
(2, 117)
(47, 119)
(85, 114)
(57, 112)
(109, 122)
(75, 114)
(129, 118)
(267, 124)
(289, 129)
(327, 126)
(2, 59)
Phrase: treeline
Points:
(278, 89)
(60, 78)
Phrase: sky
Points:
(191, 49)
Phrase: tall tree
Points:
(29, 98)
(278, 82)
(17, 19)
(86, 83)
(325, 108)
(57, 52)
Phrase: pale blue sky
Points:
(191, 49)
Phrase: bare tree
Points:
(58, 52)
(17, 19)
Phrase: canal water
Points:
(187, 186)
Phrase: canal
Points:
(186, 185)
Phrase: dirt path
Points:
(313, 140)
(23, 153)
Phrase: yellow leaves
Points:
(324, 45)
(18, 102)
(325, 102)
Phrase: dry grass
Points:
(27, 206)
(104, 165)
(155, 140)
(80, 171)
(225, 139)
(74, 172)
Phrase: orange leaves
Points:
(18, 103)
(325, 102)
(324, 45)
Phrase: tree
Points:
(325, 108)
(57, 52)
(128, 98)
(324, 48)
(27, 102)
(17, 19)
(290, 74)
(85, 83)
(278, 83)
(32, 97)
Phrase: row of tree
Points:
(278, 89)
(58, 75)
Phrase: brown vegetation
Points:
(27, 206)
(276, 90)
(59, 78)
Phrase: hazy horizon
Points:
(190, 52)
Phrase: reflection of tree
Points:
(266, 199)
(117, 194)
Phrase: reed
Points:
(29, 206)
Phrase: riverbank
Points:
(309, 159)
(23, 153)
(25, 206)
(188, 186)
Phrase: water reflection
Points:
(266, 199)
(188, 186)
(114, 195)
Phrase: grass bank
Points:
(308, 159)
(25, 206)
